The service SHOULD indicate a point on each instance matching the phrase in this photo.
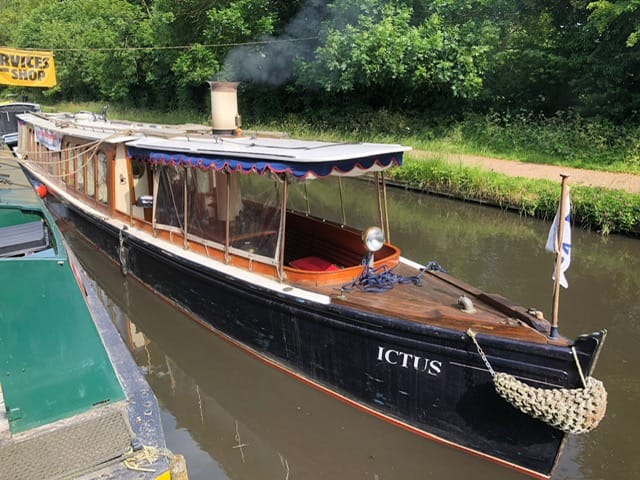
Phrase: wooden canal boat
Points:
(72, 401)
(224, 226)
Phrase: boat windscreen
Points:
(347, 201)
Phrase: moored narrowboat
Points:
(9, 121)
(225, 227)
(72, 402)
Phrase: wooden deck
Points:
(435, 302)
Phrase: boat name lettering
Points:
(408, 360)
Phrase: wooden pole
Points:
(556, 283)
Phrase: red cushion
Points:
(314, 264)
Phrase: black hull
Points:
(360, 358)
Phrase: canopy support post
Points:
(281, 232)
(227, 258)
(344, 214)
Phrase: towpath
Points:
(594, 178)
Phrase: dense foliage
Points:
(436, 57)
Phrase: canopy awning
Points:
(299, 158)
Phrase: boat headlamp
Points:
(373, 238)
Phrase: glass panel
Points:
(71, 169)
(80, 161)
(102, 177)
(52, 157)
(323, 198)
(91, 175)
(170, 201)
(57, 166)
(203, 204)
(255, 213)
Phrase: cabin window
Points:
(102, 177)
(254, 229)
(71, 169)
(137, 169)
(31, 147)
(170, 198)
(80, 161)
(54, 163)
(91, 175)
(203, 218)
(64, 165)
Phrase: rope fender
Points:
(577, 410)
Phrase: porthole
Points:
(137, 169)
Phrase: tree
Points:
(533, 61)
(382, 47)
(621, 14)
(99, 46)
(207, 30)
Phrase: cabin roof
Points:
(300, 158)
(93, 127)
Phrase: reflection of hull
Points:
(426, 379)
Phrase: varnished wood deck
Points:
(435, 302)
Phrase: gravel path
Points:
(616, 181)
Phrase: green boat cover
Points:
(53, 364)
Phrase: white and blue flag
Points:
(565, 244)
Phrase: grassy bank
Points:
(602, 210)
(565, 139)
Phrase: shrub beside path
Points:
(593, 178)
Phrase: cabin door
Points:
(133, 180)
(121, 190)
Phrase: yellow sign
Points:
(27, 68)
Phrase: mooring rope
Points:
(577, 410)
(383, 278)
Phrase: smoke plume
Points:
(272, 61)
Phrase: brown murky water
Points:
(235, 418)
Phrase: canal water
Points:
(235, 418)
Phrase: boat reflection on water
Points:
(191, 397)
(234, 417)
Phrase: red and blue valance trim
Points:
(298, 168)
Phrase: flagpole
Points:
(556, 285)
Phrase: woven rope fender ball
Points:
(575, 411)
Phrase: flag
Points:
(565, 246)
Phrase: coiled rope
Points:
(577, 410)
(143, 460)
(383, 278)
